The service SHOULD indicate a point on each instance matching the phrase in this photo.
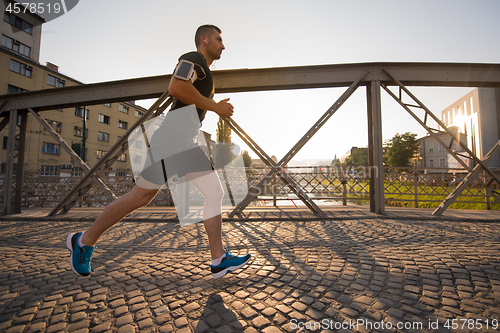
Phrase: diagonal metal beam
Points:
(4, 122)
(436, 137)
(440, 141)
(295, 149)
(465, 182)
(429, 130)
(269, 162)
(5, 114)
(72, 153)
(446, 129)
(5, 104)
(109, 158)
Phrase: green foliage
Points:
(223, 131)
(401, 148)
(247, 160)
(225, 147)
(358, 157)
(336, 162)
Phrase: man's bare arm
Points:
(185, 92)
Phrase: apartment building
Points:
(21, 71)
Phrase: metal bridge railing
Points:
(403, 187)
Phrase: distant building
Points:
(477, 116)
(359, 154)
(433, 155)
(257, 162)
(349, 153)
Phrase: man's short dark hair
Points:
(207, 30)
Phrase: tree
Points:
(225, 147)
(247, 160)
(223, 131)
(401, 148)
(358, 157)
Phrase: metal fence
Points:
(404, 187)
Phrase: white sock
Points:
(80, 244)
(217, 261)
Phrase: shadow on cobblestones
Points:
(155, 277)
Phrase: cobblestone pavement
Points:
(317, 275)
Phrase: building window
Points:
(18, 22)
(138, 114)
(440, 147)
(80, 111)
(49, 170)
(138, 144)
(103, 119)
(14, 89)
(50, 148)
(107, 104)
(122, 124)
(20, 68)
(16, 46)
(3, 168)
(16, 143)
(121, 174)
(57, 126)
(100, 154)
(122, 158)
(79, 131)
(431, 148)
(123, 108)
(136, 159)
(55, 81)
(431, 162)
(442, 162)
(77, 148)
(102, 136)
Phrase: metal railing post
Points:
(415, 187)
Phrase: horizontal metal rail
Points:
(278, 78)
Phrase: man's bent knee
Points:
(218, 192)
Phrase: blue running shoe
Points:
(230, 263)
(80, 256)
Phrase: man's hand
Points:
(224, 109)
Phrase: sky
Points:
(110, 40)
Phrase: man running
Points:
(190, 84)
